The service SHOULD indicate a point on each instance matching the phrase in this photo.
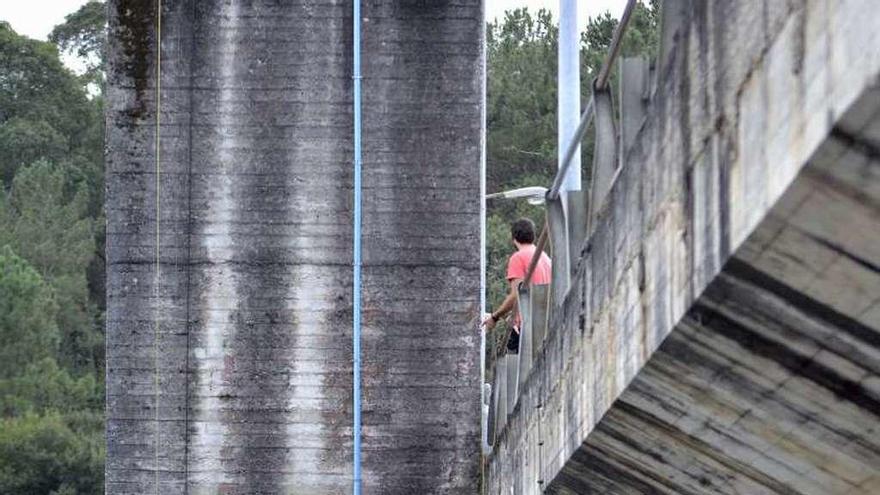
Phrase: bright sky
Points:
(36, 18)
(587, 8)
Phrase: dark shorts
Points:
(513, 342)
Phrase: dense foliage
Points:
(51, 267)
(521, 112)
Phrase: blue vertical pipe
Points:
(356, 320)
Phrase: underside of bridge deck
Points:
(771, 381)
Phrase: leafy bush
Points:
(42, 454)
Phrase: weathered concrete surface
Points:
(761, 145)
(769, 384)
(240, 333)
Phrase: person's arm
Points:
(506, 307)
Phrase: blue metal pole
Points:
(356, 320)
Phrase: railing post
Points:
(576, 208)
(500, 393)
(487, 426)
(634, 78)
(672, 15)
(525, 335)
(512, 385)
(539, 318)
(561, 272)
(604, 153)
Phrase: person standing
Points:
(522, 234)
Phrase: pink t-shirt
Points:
(518, 265)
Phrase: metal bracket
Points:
(500, 393)
(634, 78)
(576, 208)
(524, 302)
(672, 16)
(561, 273)
(604, 153)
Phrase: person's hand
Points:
(488, 322)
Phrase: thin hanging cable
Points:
(156, 260)
(356, 320)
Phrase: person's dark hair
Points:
(523, 231)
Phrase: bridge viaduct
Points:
(720, 331)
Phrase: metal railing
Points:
(535, 301)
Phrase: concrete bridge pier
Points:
(229, 186)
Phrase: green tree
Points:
(51, 281)
(642, 38)
(28, 331)
(84, 35)
(45, 219)
(42, 100)
(26, 141)
(521, 98)
(43, 455)
(43, 386)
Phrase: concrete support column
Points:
(229, 246)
